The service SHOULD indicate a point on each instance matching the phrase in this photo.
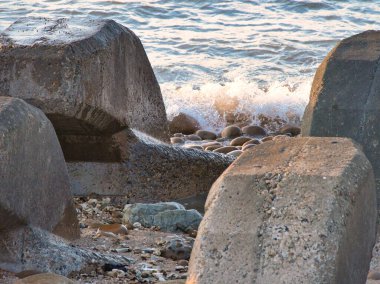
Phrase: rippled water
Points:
(259, 55)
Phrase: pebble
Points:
(183, 262)
(205, 145)
(114, 228)
(239, 141)
(254, 130)
(198, 147)
(231, 132)
(116, 273)
(137, 225)
(292, 129)
(193, 137)
(177, 248)
(252, 141)
(225, 149)
(183, 123)
(178, 135)
(235, 153)
(206, 135)
(177, 140)
(212, 148)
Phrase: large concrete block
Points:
(90, 77)
(345, 95)
(296, 211)
(34, 183)
(149, 171)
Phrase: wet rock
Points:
(239, 141)
(275, 229)
(34, 184)
(254, 130)
(235, 153)
(90, 77)
(193, 137)
(292, 129)
(177, 248)
(205, 145)
(177, 140)
(206, 135)
(231, 132)
(183, 123)
(226, 149)
(45, 278)
(178, 135)
(212, 148)
(169, 216)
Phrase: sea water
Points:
(250, 57)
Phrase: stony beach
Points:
(98, 186)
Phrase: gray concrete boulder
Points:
(149, 171)
(301, 210)
(169, 216)
(345, 95)
(29, 248)
(34, 183)
(90, 77)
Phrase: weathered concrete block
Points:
(149, 171)
(34, 183)
(301, 210)
(90, 77)
(345, 95)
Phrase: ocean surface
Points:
(210, 56)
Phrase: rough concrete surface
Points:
(34, 183)
(301, 210)
(90, 77)
(345, 95)
(149, 171)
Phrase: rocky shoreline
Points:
(89, 180)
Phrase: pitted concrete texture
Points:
(90, 77)
(301, 210)
(34, 183)
(149, 171)
(345, 96)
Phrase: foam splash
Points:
(214, 105)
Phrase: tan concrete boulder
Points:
(345, 95)
(34, 183)
(301, 210)
(90, 77)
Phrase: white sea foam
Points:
(285, 100)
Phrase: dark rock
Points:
(252, 142)
(177, 140)
(225, 149)
(34, 184)
(292, 129)
(268, 138)
(206, 135)
(231, 132)
(344, 98)
(183, 123)
(239, 141)
(193, 137)
(177, 248)
(254, 130)
(212, 148)
(91, 78)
